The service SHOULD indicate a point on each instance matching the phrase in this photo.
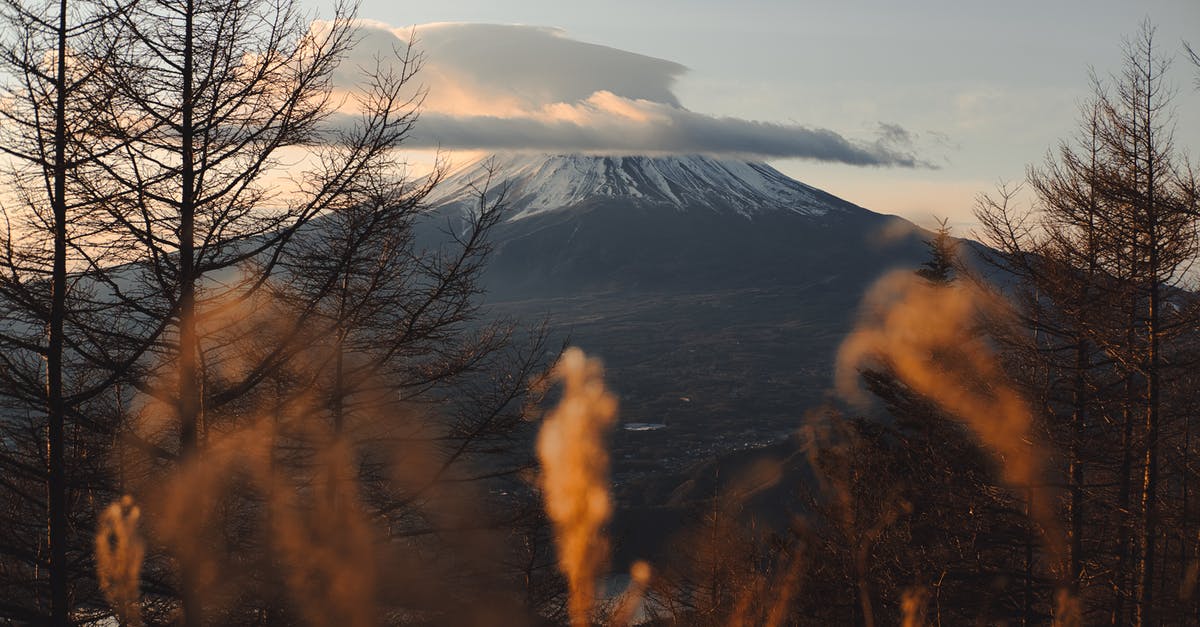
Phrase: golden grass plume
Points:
(574, 477)
(119, 554)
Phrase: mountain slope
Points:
(715, 291)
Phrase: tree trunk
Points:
(1154, 241)
(339, 346)
(1120, 575)
(1146, 613)
(189, 388)
(1078, 423)
(57, 480)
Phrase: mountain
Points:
(608, 224)
(537, 184)
(716, 291)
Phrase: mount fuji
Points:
(539, 183)
(579, 225)
(716, 291)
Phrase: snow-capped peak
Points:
(536, 184)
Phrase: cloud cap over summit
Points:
(515, 87)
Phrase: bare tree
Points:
(1194, 57)
(46, 110)
(1100, 262)
(178, 119)
(1156, 203)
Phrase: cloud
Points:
(508, 87)
(607, 123)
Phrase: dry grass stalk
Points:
(913, 607)
(631, 601)
(1068, 612)
(119, 554)
(313, 520)
(574, 478)
(928, 335)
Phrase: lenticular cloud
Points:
(510, 87)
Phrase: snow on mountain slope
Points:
(536, 184)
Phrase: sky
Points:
(909, 108)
